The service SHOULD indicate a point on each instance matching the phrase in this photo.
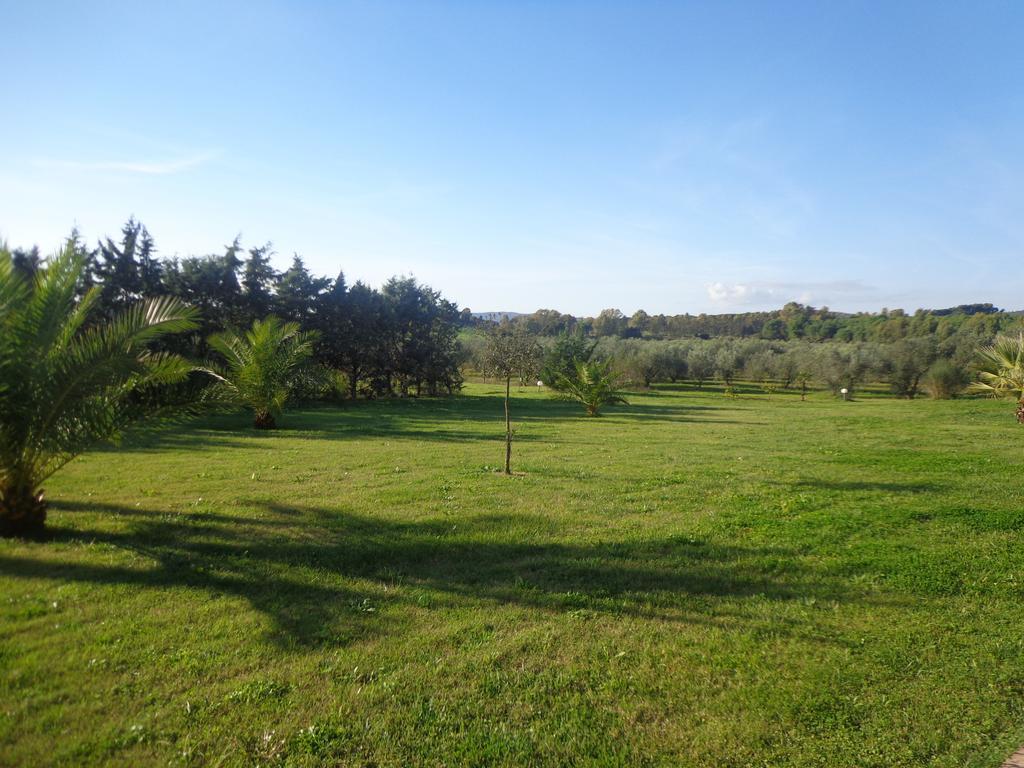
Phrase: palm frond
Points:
(66, 385)
(1000, 368)
(592, 384)
(263, 366)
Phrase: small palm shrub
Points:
(592, 385)
(1000, 369)
(263, 368)
(69, 380)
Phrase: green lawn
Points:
(692, 580)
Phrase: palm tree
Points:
(592, 385)
(1000, 370)
(68, 380)
(264, 366)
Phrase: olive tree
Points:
(905, 362)
(510, 354)
(700, 363)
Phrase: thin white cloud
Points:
(151, 168)
(762, 293)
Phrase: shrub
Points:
(944, 380)
(69, 380)
(264, 367)
(592, 385)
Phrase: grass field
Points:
(690, 580)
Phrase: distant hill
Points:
(497, 317)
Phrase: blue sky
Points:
(671, 156)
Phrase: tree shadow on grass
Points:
(456, 419)
(485, 409)
(219, 432)
(329, 577)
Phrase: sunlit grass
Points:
(692, 579)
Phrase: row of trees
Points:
(909, 366)
(70, 377)
(92, 340)
(790, 323)
(74, 372)
(400, 339)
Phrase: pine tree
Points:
(258, 279)
(298, 292)
(117, 270)
(150, 269)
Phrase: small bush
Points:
(944, 380)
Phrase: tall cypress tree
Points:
(298, 292)
(258, 279)
(149, 267)
(117, 269)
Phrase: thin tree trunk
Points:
(508, 428)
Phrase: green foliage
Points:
(507, 354)
(561, 358)
(420, 339)
(69, 380)
(792, 322)
(298, 292)
(729, 361)
(610, 322)
(843, 366)
(592, 385)
(1000, 370)
(700, 362)
(904, 362)
(401, 337)
(803, 378)
(640, 363)
(511, 354)
(672, 361)
(264, 367)
(945, 380)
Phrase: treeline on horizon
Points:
(792, 322)
(930, 351)
(933, 351)
(399, 339)
(405, 338)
